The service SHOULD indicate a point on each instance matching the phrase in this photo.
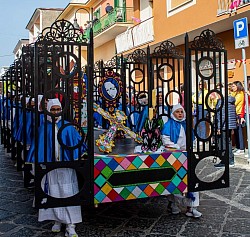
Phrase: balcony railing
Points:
(117, 15)
(135, 36)
(230, 6)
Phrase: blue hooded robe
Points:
(70, 137)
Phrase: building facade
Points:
(41, 18)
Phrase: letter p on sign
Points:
(239, 28)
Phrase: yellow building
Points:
(138, 23)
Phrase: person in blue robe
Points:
(17, 120)
(174, 130)
(132, 117)
(97, 116)
(174, 136)
(20, 131)
(161, 108)
(62, 182)
(28, 128)
(6, 108)
(141, 119)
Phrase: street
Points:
(226, 212)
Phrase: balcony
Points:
(110, 25)
(230, 6)
(135, 36)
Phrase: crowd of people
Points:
(236, 114)
(60, 182)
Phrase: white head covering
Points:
(39, 100)
(27, 100)
(175, 107)
(53, 102)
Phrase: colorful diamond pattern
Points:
(100, 180)
(159, 189)
(137, 162)
(171, 159)
(182, 172)
(107, 172)
(160, 160)
(106, 165)
(177, 165)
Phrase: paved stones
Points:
(226, 212)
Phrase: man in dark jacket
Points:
(221, 129)
(108, 8)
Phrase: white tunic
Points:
(181, 142)
(62, 183)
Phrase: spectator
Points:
(108, 8)
(201, 109)
(221, 128)
(247, 93)
(95, 19)
(181, 99)
(238, 93)
(214, 97)
(230, 88)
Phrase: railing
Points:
(230, 6)
(135, 36)
(117, 15)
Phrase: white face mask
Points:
(110, 89)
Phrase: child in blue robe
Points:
(59, 183)
(174, 136)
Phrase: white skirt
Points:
(62, 183)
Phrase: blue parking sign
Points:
(241, 33)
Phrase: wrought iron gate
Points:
(206, 72)
(52, 67)
(58, 74)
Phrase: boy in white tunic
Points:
(61, 182)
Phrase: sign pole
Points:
(246, 99)
(241, 40)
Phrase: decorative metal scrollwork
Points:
(62, 31)
(207, 39)
(113, 62)
(97, 65)
(138, 56)
(167, 48)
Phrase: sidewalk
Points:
(242, 160)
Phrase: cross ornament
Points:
(117, 121)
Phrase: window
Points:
(120, 3)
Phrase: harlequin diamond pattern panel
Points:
(125, 166)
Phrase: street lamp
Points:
(75, 24)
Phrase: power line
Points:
(7, 55)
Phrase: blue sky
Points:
(15, 15)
